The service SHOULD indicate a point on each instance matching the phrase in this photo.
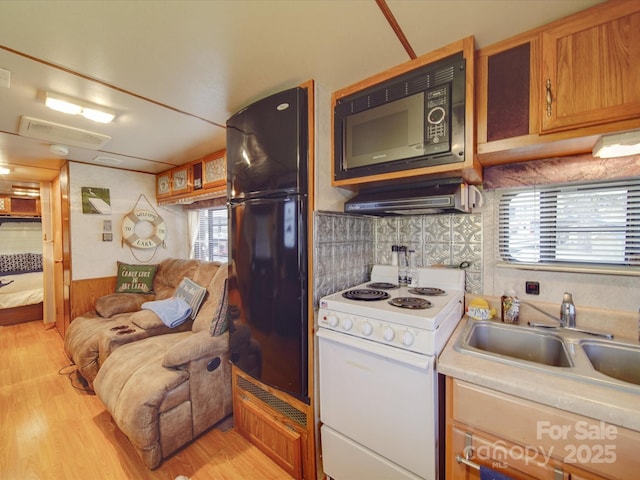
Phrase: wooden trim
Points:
(84, 293)
(309, 449)
(388, 14)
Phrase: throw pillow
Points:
(220, 321)
(135, 278)
(192, 293)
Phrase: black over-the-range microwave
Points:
(411, 121)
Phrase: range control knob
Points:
(332, 320)
(367, 329)
(407, 338)
(388, 334)
(347, 323)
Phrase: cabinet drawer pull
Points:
(468, 463)
(549, 97)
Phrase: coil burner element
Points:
(428, 291)
(365, 294)
(410, 302)
(382, 285)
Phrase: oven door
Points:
(377, 405)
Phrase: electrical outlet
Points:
(532, 288)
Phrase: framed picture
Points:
(96, 200)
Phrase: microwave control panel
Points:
(437, 129)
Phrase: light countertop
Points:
(612, 405)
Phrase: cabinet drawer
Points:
(590, 444)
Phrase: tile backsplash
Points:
(347, 246)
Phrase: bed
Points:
(21, 288)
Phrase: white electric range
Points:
(379, 404)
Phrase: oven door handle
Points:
(416, 360)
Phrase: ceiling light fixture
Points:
(618, 145)
(71, 106)
(4, 171)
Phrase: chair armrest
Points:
(195, 347)
(110, 305)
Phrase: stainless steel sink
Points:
(565, 352)
(614, 360)
(517, 343)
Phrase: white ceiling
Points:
(174, 71)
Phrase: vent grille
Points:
(444, 75)
(274, 402)
(57, 133)
(410, 83)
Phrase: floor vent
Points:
(57, 133)
(274, 402)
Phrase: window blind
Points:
(595, 223)
(211, 242)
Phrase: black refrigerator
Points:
(267, 167)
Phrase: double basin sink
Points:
(563, 352)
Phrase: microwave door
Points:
(386, 133)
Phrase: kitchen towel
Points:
(172, 311)
(488, 474)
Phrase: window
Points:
(596, 224)
(211, 241)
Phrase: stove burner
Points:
(410, 302)
(382, 285)
(365, 294)
(428, 291)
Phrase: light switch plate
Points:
(5, 78)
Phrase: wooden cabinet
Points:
(524, 439)
(201, 179)
(279, 425)
(554, 90)
(591, 67)
(214, 170)
(19, 206)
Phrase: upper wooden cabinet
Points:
(591, 68)
(554, 90)
(19, 206)
(173, 182)
(205, 178)
(214, 170)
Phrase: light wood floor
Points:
(51, 430)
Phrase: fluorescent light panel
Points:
(64, 104)
(618, 145)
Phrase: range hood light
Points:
(618, 145)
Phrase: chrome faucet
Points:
(568, 319)
(567, 311)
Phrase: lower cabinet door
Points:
(282, 445)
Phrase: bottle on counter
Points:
(402, 266)
(394, 255)
(412, 272)
(510, 307)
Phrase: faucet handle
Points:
(568, 311)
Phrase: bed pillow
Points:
(135, 278)
(220, 321)
(192, 293)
